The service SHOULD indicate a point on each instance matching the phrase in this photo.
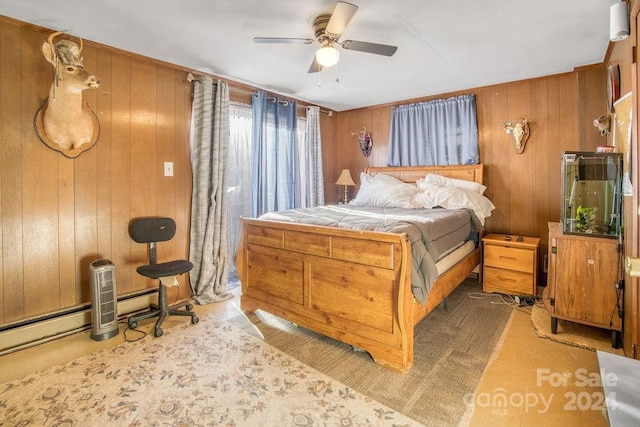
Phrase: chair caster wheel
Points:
(132, 325)
(157, 332)
(194, 319)
(189, 307)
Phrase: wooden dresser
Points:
(510, 264)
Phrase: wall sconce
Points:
(520, 131)
(365, 140)
(619, 21)
(346, 180)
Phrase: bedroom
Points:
(94, 199)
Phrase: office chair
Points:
(151, 230)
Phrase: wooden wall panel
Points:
(104, 231)
(58, 214)
(498, 169)
(331, 159)
(525, 188)
(11, 176)
(121, 169)
(39, 191)
(182, 176)
(521, 171)
(539, 146)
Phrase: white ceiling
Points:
(443, 45)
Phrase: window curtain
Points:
(311, 174)
(238, 174)
(209, 250)
(274, 161)
(438, 132)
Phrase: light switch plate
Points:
(168, 168)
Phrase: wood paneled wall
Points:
(525, 188)
(58, 214)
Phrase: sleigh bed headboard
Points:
(413, 173)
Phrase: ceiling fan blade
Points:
(378, 49)
(340, 17)
(315, 66)
(282, 40)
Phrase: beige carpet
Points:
(453, 346)
(572, 333)
(201, 375)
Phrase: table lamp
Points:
(346, 180)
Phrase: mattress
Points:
(456, 255)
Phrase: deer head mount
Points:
(603, 123)
(520, 131)
(365, 141)
(64, 122)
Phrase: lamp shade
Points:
(327, 56)
(345, 178)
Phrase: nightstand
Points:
(510, 264)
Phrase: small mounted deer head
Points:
(364, 138)
(520, 131)
(603, 123)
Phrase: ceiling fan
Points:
(327, 29)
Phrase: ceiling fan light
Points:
(327, 56)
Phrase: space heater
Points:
(104, 316)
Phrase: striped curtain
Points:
(311, 172)
(209, 251)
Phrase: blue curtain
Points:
(439, 132)
(274, 173)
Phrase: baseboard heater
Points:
(37, 330)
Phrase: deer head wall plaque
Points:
(65, 122)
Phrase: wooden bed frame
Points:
(350, 285)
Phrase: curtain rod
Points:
(191, 78)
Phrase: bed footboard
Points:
(350, 285)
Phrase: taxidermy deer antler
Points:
(520, 131)
(364, 138)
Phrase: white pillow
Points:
(453, 198)
(433, 178)
(382, 192)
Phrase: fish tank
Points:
(592, 193)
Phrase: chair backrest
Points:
(152, 229)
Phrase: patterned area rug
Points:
(206, 374)
(453, 346)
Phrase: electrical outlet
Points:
(168, 168)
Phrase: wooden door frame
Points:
(632, 284)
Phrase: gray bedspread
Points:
(432, 232)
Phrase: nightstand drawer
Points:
(509, 258)
(507, 281)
